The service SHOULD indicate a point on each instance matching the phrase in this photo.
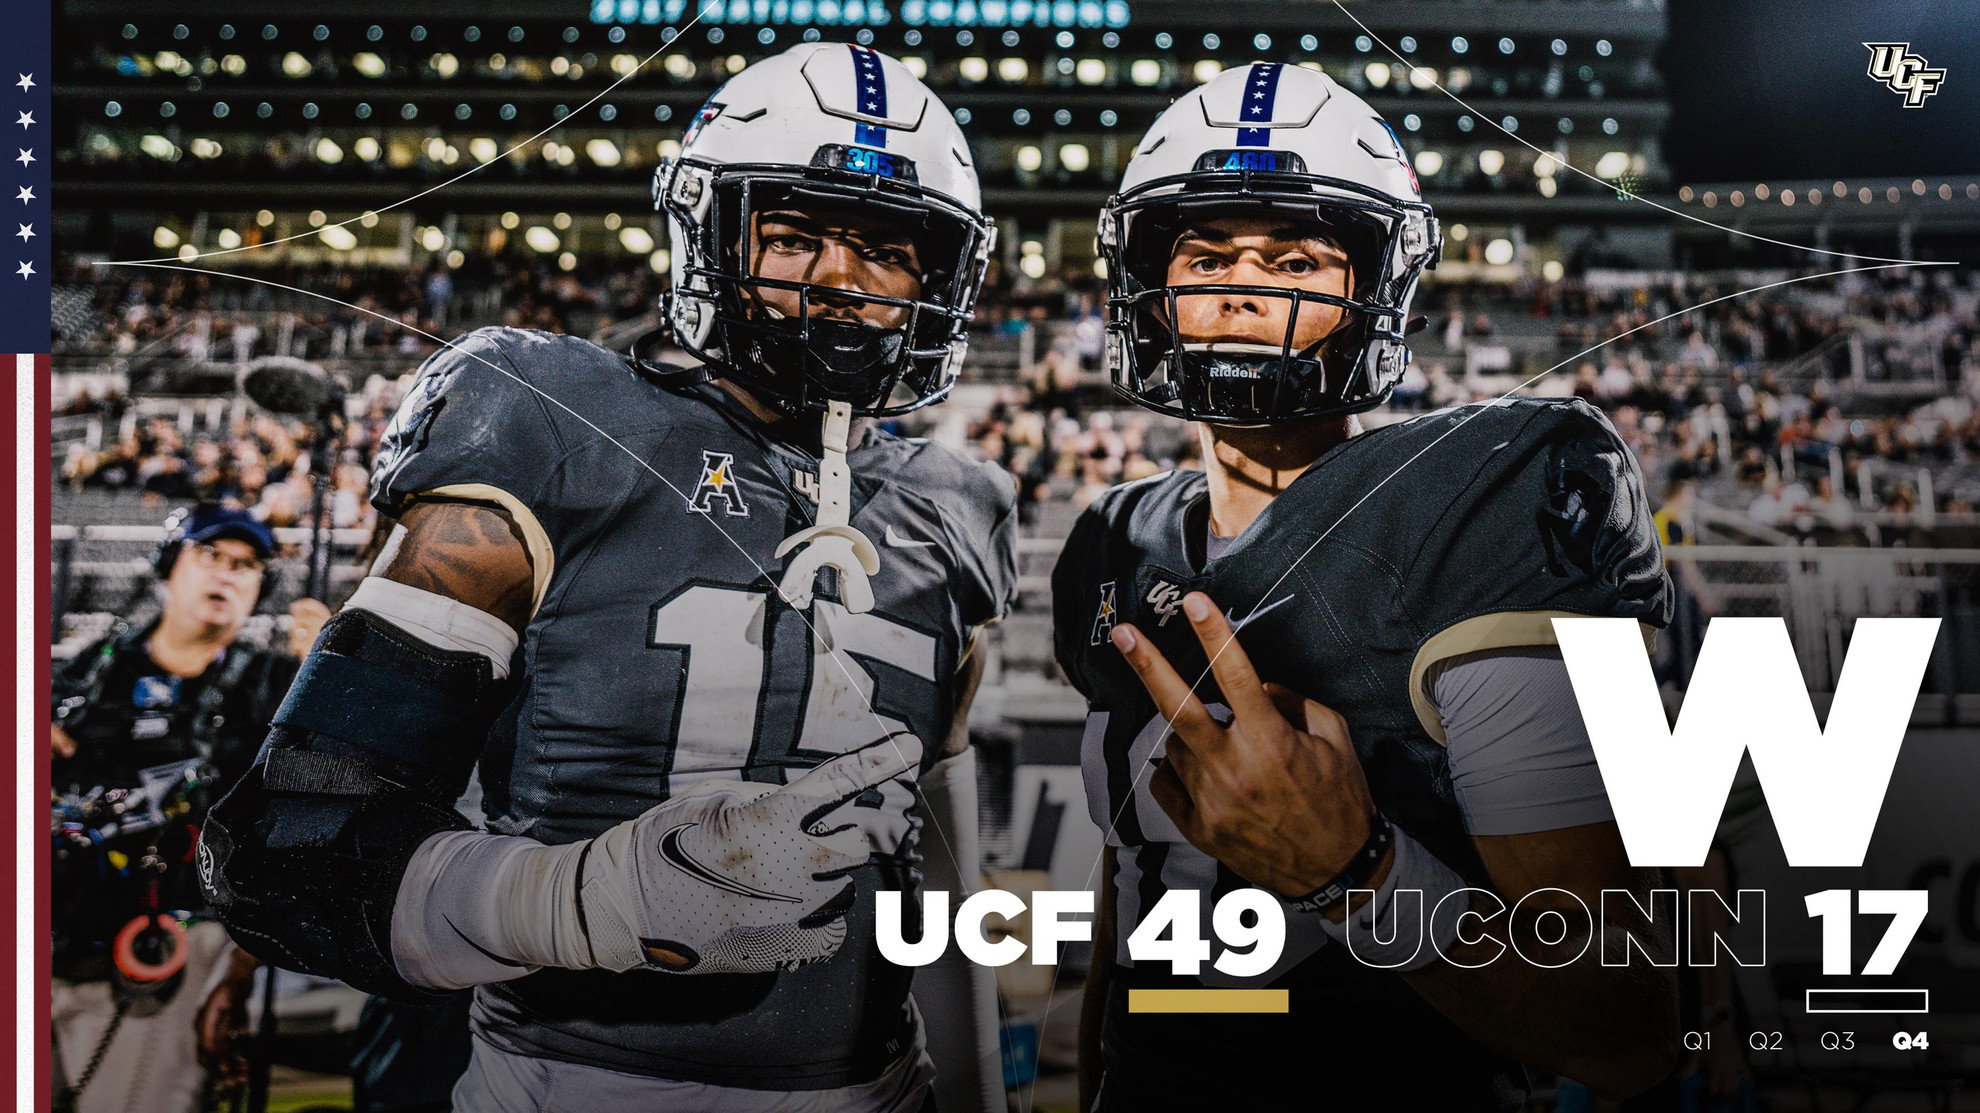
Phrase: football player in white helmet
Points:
(1263, 251)
(711, 718)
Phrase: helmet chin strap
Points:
(832, 542)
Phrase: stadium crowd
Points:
(1735, 396)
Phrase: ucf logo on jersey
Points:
(1166, 598)
(1905, 73)
(718, 481)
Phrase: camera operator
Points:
(151, 724)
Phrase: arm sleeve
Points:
(1519, 753)
(957, 998)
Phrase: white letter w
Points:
(1669, 787)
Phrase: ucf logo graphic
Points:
(1103, 622)
(1166, 598)
(1906, 73)
(718, 481)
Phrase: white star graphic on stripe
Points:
(25, 269)
(26, 82)
(27, 195)
(27, 156)
(26, 119)
(26, 232)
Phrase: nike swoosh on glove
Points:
(732, 877)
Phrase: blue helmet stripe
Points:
(871, 82)
(1259, 93)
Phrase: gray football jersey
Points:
(660, 655)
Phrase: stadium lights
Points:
(1422, 77)
(159, 147)
(668, 148)
(264, 218)
(1684, 193)
(1551, 270)
(1711, 199)
(661, 260)
(228, 239)
(1545, 166)
(1760, 192)
(560, 66)
(163, 238)
(973, 69)
(1499, 252)
(456, 258)
(680, 67)
(1458, 233)
(1075, 157)
(1029, 158)
(1491, 161)
(623, 64)
(1737, 199)
(1378, 74)
(510, 220)
(1206, 71)
(433, 239)
(338, 237)
(369, 219)
(1548, 187)
(1145, 71)
(1033, 266)
(612, 222)
(561, 222)
(636, 239)
(1013, 70)
(603, 152)
(327, 151)
(368, 64)
(567, 262)
(916, 65)
(1100, 268)
(365, 148)
(316, 218)
(483, 149)
(1459, 45)
(204, 148)
(1891, 195)
(233, 65)
(1090, 71)
(187, 253)
(541, 240)
(1429, 162)
(1614, 163)
(295, 65)
(446, 65)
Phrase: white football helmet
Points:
(838, 126)
(1280, 139)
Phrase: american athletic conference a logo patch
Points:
(1906, 73)
(718, 481)
(1103, 621)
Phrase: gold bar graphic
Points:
(1208, 1001)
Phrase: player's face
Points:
(839, 249)
(1241, 251)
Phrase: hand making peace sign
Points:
(1277, 793)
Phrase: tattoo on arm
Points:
(471, 553)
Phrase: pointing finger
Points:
(1228, 661)
(1187, 716)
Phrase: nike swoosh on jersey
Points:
(899, 542)
(678, 857)
(1240, 623)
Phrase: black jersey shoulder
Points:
(502, 408)
(973, 503)
(1521, 505)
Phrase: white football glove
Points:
(735, 877)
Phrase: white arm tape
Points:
(1417, 941)
(437, 620)
(957, 998)
(475, 907)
